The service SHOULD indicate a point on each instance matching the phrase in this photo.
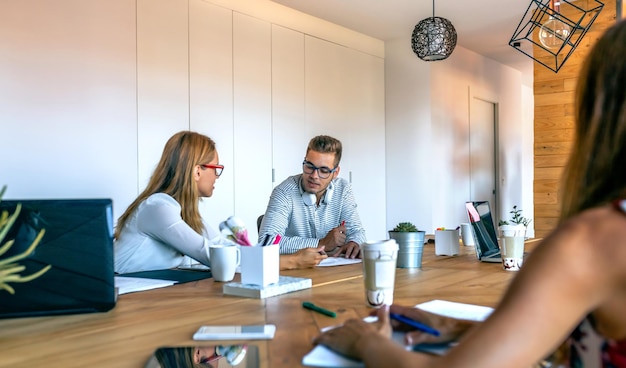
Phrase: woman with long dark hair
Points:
(570, 296)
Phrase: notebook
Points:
(485, 238)
(77, 244)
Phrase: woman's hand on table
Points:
(450, 329)
(351, 338)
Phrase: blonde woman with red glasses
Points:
(163, 225)
(163, 228)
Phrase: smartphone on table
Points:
(243, 332)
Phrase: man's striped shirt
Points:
(301, 225)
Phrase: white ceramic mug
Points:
(224, 260)
(467, 234)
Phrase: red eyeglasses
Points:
(218, 168)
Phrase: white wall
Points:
(408, 132)
(68, 102)
(85, 86)
(427, 120)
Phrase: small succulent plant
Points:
(9, 268)
(405, 227)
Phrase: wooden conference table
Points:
(127, 335)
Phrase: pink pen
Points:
(276, 239)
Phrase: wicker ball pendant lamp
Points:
(434, 38)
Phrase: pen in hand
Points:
(418, 325)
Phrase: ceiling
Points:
(483, 26)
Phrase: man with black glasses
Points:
(315, 209)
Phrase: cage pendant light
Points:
(550, 30)
(434, 38)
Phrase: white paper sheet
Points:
(337, 261)
(457, 310)
(321, 356)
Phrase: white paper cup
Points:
(512, 252)
(379, 271)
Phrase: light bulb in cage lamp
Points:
(553, 33)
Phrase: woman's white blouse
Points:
(156, 237)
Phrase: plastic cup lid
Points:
(379, 245)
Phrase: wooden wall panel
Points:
(550, 161)
(554, 122)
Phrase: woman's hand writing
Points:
(450, 329)
(349, 339)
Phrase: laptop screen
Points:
(77, 244)
(479, 214)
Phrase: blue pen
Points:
(412, 323)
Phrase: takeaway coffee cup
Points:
(512, 252)
(512, 246)
(224, 260)
(379, 271)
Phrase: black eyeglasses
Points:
(323, 172)
(218, 168)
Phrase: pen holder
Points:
(260, 265)
(446, 242)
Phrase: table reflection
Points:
(210, 356)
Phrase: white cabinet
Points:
(211, 97)
(319, 87)
(252, 117)
(345, 99)
(289, 135)
(261, 91)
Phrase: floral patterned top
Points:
(588, 349)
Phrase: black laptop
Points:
(77, 244)
(485, 238)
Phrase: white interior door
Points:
(483, 152)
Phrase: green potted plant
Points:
(9, 267)
(410, 244)
(516, 225)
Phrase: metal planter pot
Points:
(411, 246)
